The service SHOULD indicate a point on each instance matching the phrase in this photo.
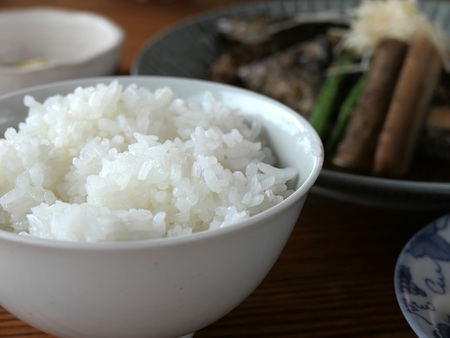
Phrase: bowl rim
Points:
(253, 221)
(116, 32)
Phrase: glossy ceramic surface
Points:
(189, 49)
(159, 288)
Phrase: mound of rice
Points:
(114, 163)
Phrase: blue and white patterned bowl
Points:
(422, 280)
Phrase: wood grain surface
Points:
(335, 277)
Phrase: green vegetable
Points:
(345, 113)
(328, 99)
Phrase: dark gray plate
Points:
(189, 49)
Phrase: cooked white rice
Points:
(114, 163)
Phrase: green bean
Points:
(328, 99)
(345, 113)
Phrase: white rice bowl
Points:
(118, 163)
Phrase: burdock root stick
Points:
(407, 112)
(357, 148)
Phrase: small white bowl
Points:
(41, 45)
(163, 287)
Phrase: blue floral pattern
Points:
(422, 279)
(428, 242)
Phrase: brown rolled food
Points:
(357, 149)
(407, 112)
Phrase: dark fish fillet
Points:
(253, 39)
(293, 77)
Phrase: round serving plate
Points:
(190, 48)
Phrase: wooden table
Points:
(335, 276)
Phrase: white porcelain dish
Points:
(195, 42)
(165, 287)
(422, 280)
(45, 44)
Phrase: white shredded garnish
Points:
(375, 20)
